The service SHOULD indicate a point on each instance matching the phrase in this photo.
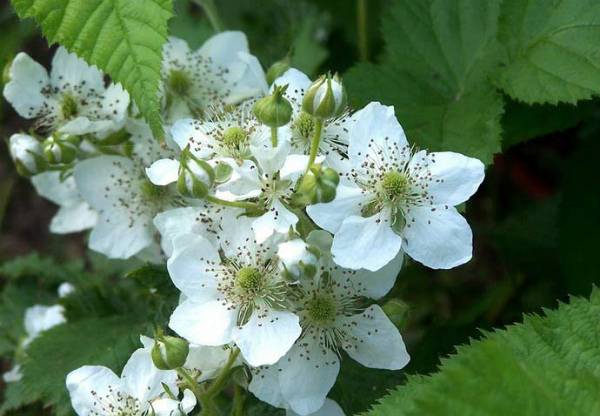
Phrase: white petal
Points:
(307, 374)
(244, 182)
(70, 70)
(209, 323)
(265, 385)
(297, 83)
(119, 236)
(375, 130)
(373, 340)
(163, 172)
(186, 220)
(190, 267)
(247, 79)
(39, 318)
(24, 90)
(73, 219)
(223, 48)
(438, 236)
(175, 51)
(142, 379)
(207, 360)
(365, 243)
(270, 159)
(87, 383)
(295, 165)
(267, 336)
(348, 201)
(374, 285)
(277, 219)
(61, 192)
(330, 408)
(13, 375)
(455, 177)
(188, 402)
(194, 133)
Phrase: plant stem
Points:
(219, 383)
(236, 204)
(212, 13)
(314, 144)
(192, 385)
(274, 136)
(238, 401)
(363, 35)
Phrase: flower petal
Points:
(73, 219)
(209, 323)
(348, 201)
(143, 380)
(438, 236)
(24, 90)
(265, 385)
(267, 336)
(120, 236)
(270, 159)
(277, 219)
(69, 72)
(373, 340)
(307, 374)
(297, 83)
(163, 172)
(87, 383)
(365, 243)
(455, 177)
(329, 408)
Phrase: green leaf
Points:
(439, 56)
(122, 37)
(44, 269)
(544, 366)
(94, 341)
(552, 50)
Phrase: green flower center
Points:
(321, 309)
(304, 125)
(179, 82)
(234, 137)
(249, 279)
(68, 106)
(394, 185)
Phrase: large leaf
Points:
(552, 49)
(122, 37)
(544, 366)
(439, 56)
(93, 341)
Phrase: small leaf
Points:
(122, 37)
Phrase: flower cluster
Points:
(282, 214)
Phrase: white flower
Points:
(332, 319)
(74, 214)
(329, 408)
(13, 375)
(72, 99)
(391, 198)
(96, 390)
(126, 202)
(26, 152)
(208, 361)
(335, 132)
(65, 289)
(39, 318)
(222, 71)
(234, 292)
(297, 258)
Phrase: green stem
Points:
(274, 136)
(212, 13)
(192, 385)
(314, 144)
(363, 35)
(236, 204)
(238, 401)
(219, 383)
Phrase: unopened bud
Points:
(274, 110)
(169, 353)
(278, 69)
(317, 186)
(223, 172)
(298, 259)
(26, 151)
(60, 149)
(196, 176)
(325, 98)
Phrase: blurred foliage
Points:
(535, 220)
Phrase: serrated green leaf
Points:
(439, 56)
(45, 269)
(93, 341)
(122, 37)
(544, 366)
(552, 50)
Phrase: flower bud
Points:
(60, 149)
(196, 176)
(325, 98)
(298, 259)
(223, 172)
(27, 154)
(278, 69)
(317, 186)
(274, 110)
(169, 353)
